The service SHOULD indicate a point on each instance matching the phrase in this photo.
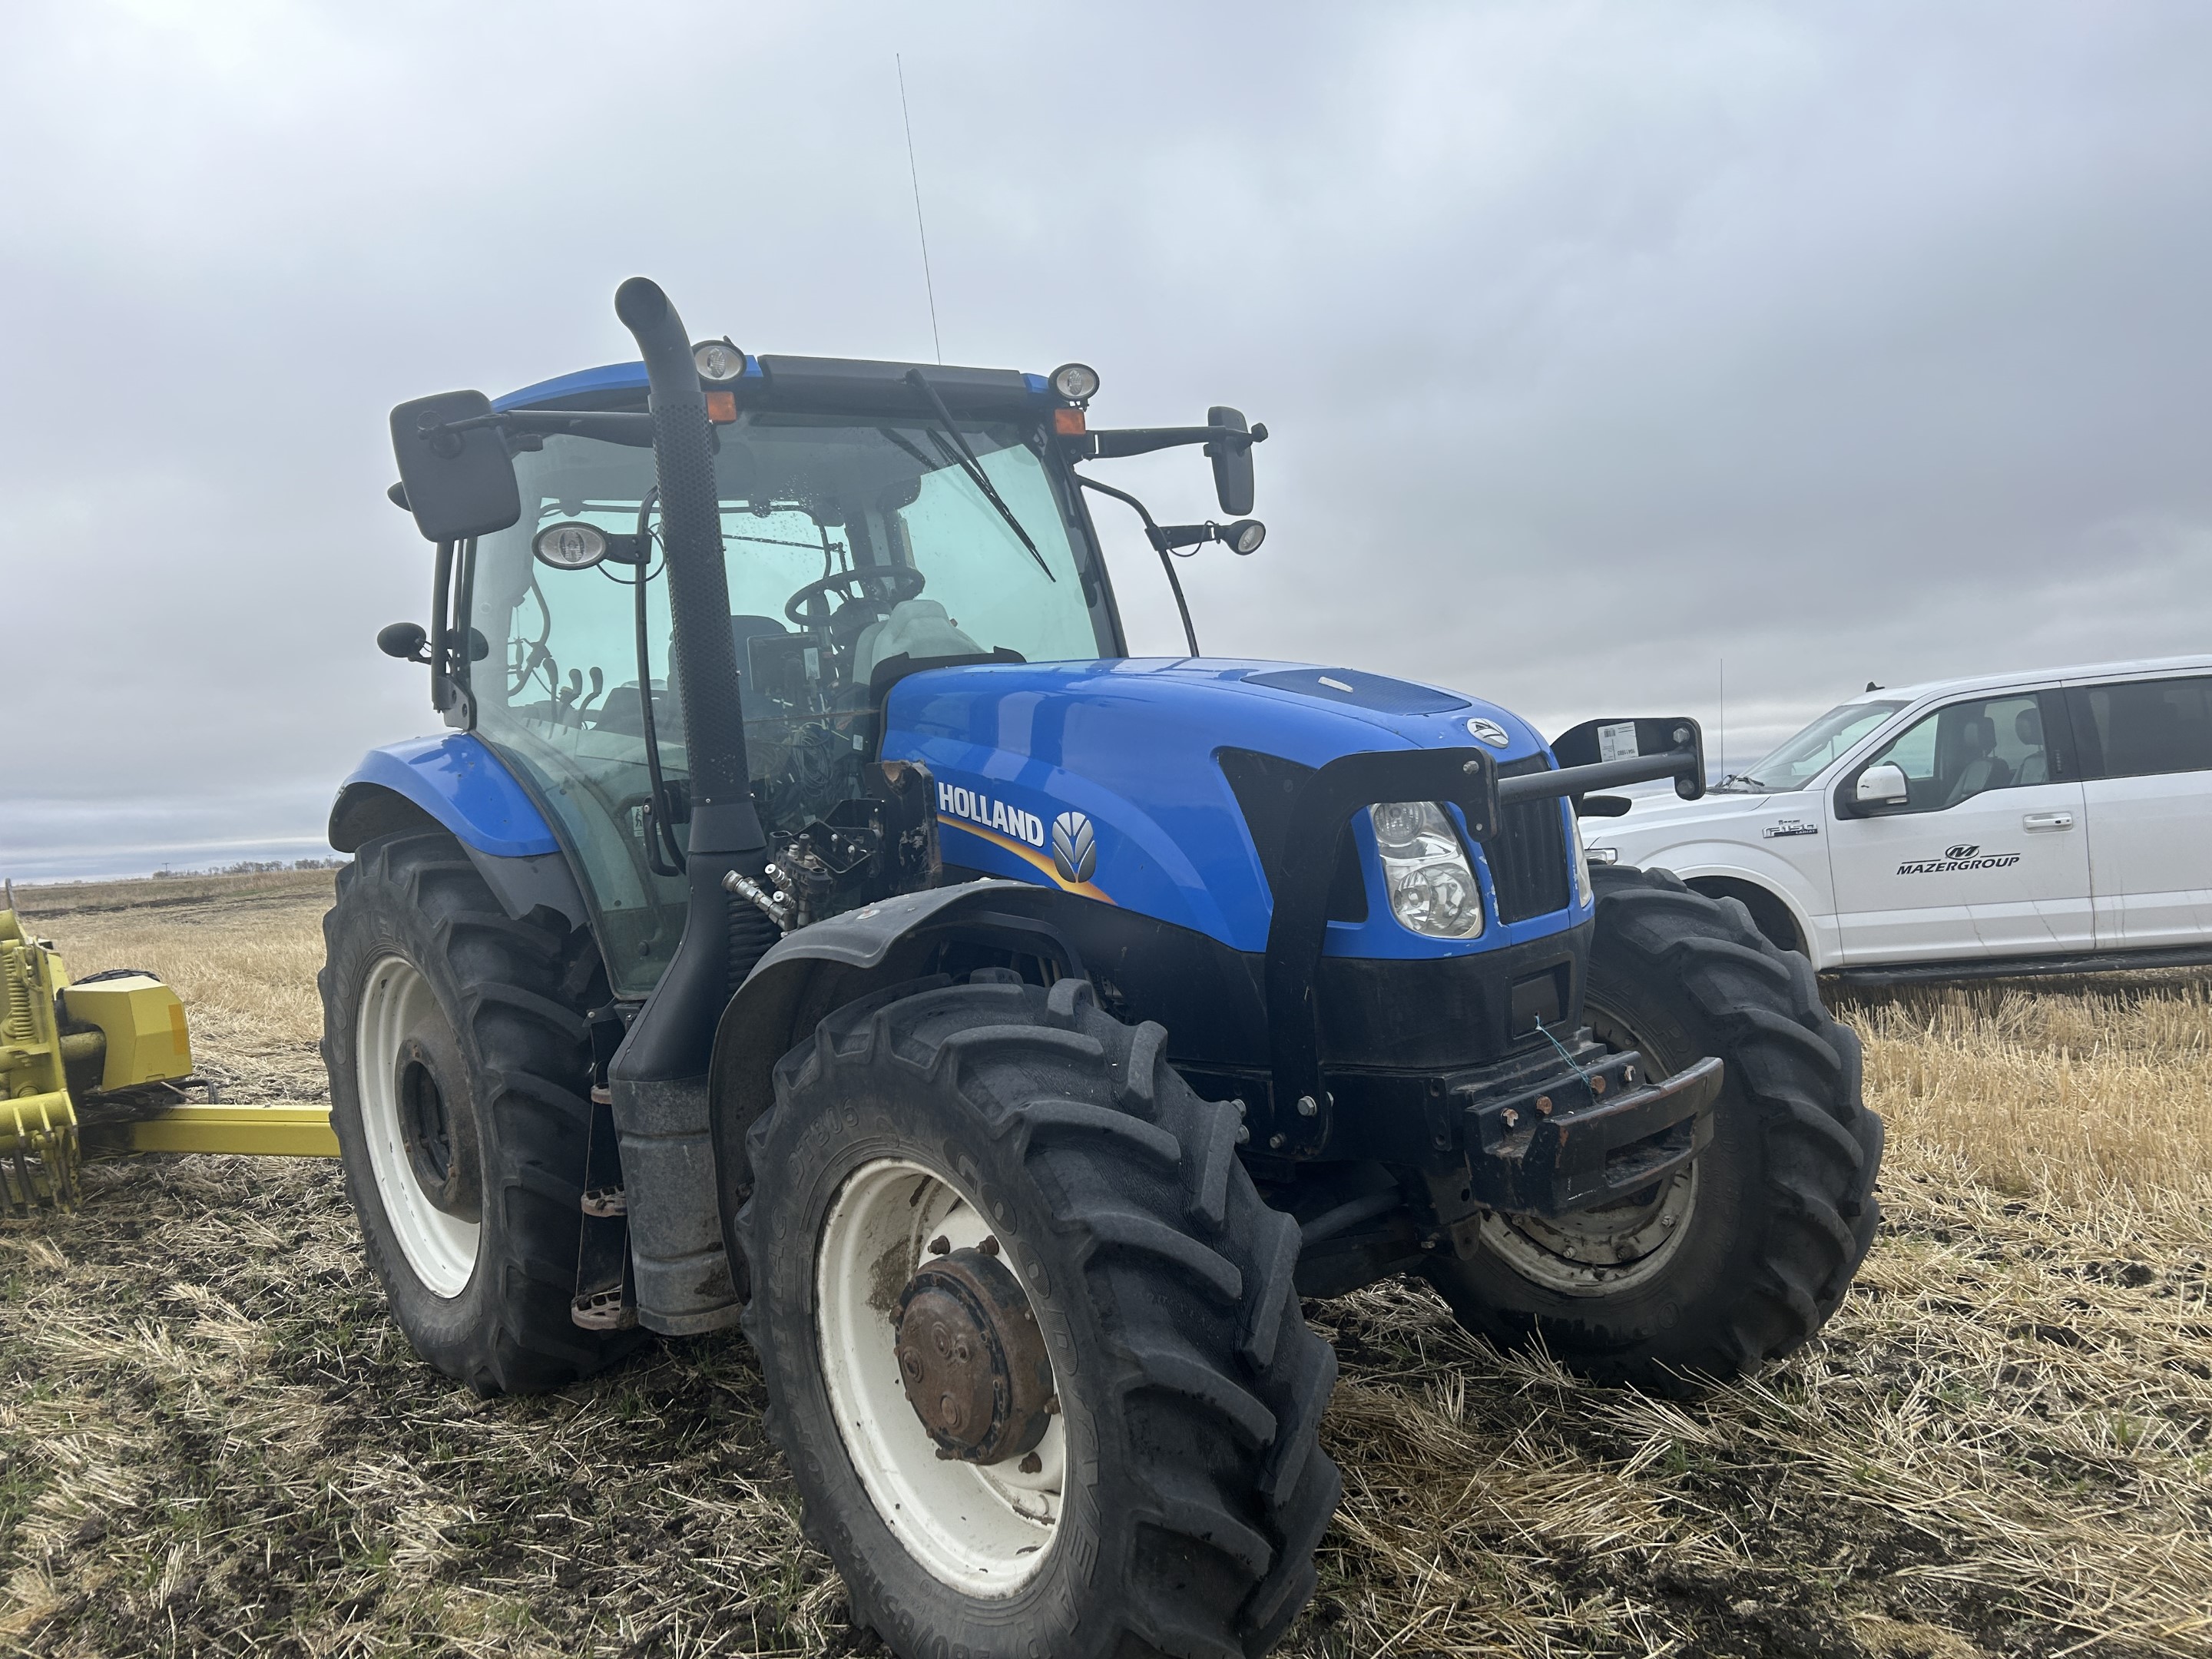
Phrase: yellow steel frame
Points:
(269, 1131)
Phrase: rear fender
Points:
(457, 784)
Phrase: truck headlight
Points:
(1431, 886)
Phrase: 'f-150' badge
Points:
(1789, 827)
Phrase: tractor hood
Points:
(1105, 778)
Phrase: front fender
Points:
(810, 974)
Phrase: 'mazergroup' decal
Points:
(1964, 857)
(954, 802)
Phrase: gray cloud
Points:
(1599, 343)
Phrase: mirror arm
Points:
(442, 584)
(1116, 441)
(635, 431)
(1156, 535)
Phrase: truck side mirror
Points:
(1232, 461)
(1881, 786)
(454, 470)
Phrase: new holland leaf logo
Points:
(1074, 847)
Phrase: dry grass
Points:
(214, 1441)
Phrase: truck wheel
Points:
(1744, 1255)
(459, 1072)
(1030, 1334)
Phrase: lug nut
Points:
(1031, 1464)
(990, 1246)
(939, 1245)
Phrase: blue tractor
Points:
(815, 920)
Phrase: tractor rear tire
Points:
(461, 1077)
(1183, 1459)
(1744, 1257)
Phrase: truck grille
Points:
(1527, 856)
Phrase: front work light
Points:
(1431, 886)
(1077, 382)
(1244, 536)
(718, 361)
(572, 545)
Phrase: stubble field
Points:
(212, 1440)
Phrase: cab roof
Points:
(824, 383)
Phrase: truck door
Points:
(1987, 856)
(2147, 766)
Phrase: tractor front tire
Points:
(1174, 1499)
(1744, 1257)
(460, 1072)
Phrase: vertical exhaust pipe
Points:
(656, 1080)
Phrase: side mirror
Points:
(454, 470)
(1232, 461)
(1881, 786)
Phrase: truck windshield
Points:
(848, 542)
(1797, 762)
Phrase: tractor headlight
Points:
(1584, 893)
(1431, 886)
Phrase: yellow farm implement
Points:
(100, 1067)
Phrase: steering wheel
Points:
(896, 581)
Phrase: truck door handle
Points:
(2048, 821)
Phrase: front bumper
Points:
(1595, 1133)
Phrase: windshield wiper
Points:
(1744, 783)
(973, 468)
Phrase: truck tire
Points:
(1180, 1462)
(1744, 1257)
(460, 1072)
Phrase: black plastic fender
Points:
(808, 975)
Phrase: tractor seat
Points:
(915, 628)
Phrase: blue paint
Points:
(458, 781)
(586, 382)
(1132, 743)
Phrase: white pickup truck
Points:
(2017, 822)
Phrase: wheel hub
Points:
(972, 1360)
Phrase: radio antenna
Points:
(921, 229)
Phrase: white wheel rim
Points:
(985, 1531)
(1600, 1252)
(439, 1247)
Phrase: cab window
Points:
(1968, 748)
(2141, 728)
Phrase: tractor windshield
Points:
(849, 543)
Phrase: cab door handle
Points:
(2048, 821)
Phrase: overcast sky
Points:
(1599, 343)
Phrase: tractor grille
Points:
(1527, 856)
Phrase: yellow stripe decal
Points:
(1029, 855)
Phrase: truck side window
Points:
(2141, 728)
(1967, 748)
